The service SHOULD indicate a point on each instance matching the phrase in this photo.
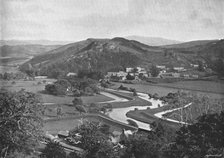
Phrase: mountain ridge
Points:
(118, 53)
(153, 41)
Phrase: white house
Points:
(179, 69)
(109, 74)
(129, 69)
(71, 74)
(163, 67)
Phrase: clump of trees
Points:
(95, 140)
(130, 77)
(83, 86)
(74, 86)
(53, 150)
(20, 122)
(154, 71)
(95, 75)
(123, 88)
(12, 76)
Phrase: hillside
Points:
(97, 54)
(118, 53)
(32, 42)
(15, 55)
(25, 50)
(190, 44)
(153, 41)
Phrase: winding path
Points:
(119, 114)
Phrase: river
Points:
(119, 114)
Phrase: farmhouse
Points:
(163, 67)
(179, 69)
(170, 75)
(71, 74)
(129, 69)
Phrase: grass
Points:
(147, 115)
(212, 89)
(69, 123)
(203, 86)
(33, 86)
(64, 102)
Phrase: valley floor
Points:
(212, 89)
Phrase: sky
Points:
(74, 20)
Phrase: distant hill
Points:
(118, 53)
(11, 55)
(25, 50)
(190, 44)
(32, 42)
(152, 41)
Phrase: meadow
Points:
(210, 88)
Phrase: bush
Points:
(89, 91)
(130, 77)
(154, 71)
(76, 93)
(55, 89)
(74, 155)
(77, 101)
(123, 88)
(155, 96)
(54, 150)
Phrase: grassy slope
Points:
(210, 88)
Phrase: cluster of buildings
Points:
(134, 72)
(164, 72)
(176, 72)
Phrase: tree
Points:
(130, 77)
(54, 150)
(94, 140)
(200, 138)
(132, 123)
(63, 82)
(20, 121)
(59, 111)
(77, 101)
(74, 155)
(201, 66)
(81, 109)
(135, 93)
(154, 71)
(142, 147)
(55, 89)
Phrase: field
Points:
(212, 89)
(37, 86)
(215, 90)
(4, 68)
(201, 86)
(54, 102)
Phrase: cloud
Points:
(79, 19)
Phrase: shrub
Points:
(76, 93)
(123, 88)
(89, 91)
(130, 77)
(55, 89)
(54, 150)
(134, 92)
(77, 101)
